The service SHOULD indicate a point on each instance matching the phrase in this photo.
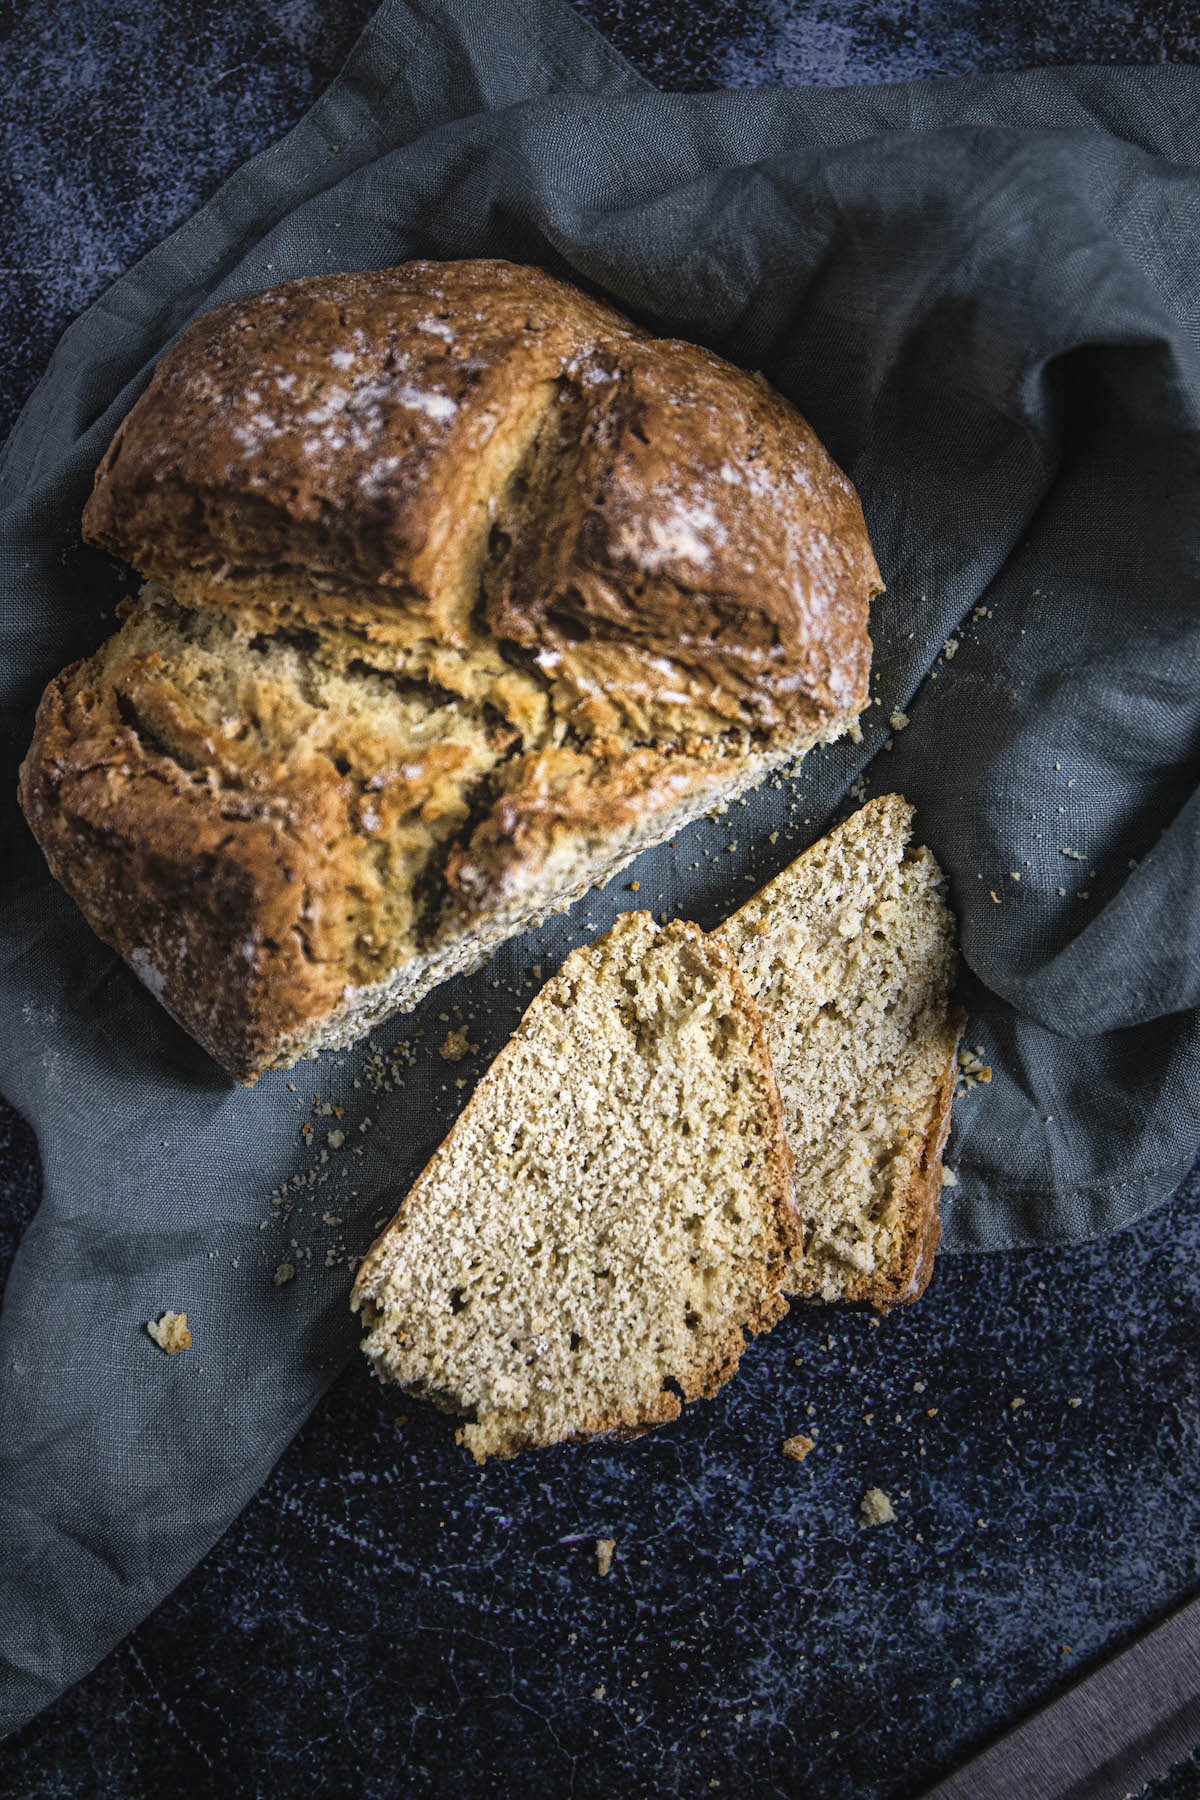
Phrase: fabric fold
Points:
(981, 294)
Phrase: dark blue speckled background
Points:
(386, 1620)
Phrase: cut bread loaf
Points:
(461, 591)
(609, 1216)
(850, 955)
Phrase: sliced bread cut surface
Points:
(850, 954)
(609, 1216)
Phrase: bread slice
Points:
(609, 1216)
(850, 954)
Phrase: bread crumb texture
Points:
(850, 955)
(170, 1332)
(610, 1215)
(876, 1508)
(604, 1554)
(798, 1447)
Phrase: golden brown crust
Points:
(210, 897)
(919, 1205)
(367, 429)
(622, 575)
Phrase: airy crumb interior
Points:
(850, 955)
(607, 1217)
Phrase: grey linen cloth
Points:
(984, 295)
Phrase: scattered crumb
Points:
(604, 1554)
(335, 1139)
(455, 1046)
(798, 1447)
(598, 1692)
(1015, 1405)
(285, 1272)
(876, 1508)
(1074, 1402)
(972, 1068)
(949, 1178)
(634, 886)
(171, 1333)
(898, 720)
(400, 1420)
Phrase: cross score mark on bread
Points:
(461, 590)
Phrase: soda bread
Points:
(461, 590)
(609, 1216)
(850, 955)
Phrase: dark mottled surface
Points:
(386, 1619)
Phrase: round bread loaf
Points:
(461, 590)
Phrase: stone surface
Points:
(386, 1619)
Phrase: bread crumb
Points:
(598, 1692)
(1074, 1402)
(285, 1272)
(634, 886)
(949, 1178)
(898, 720)
(1015, 1405)
(949, 647)
(876, 1508)
(171, 1333)
(604, 1554)
(455, 1046)
(335, 1139)
(798, 1447)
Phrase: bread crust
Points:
(337, 425)
(627, 565)
(920, 1203)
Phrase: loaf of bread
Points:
(609, 1216)
(460, 591)
(850, 955)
